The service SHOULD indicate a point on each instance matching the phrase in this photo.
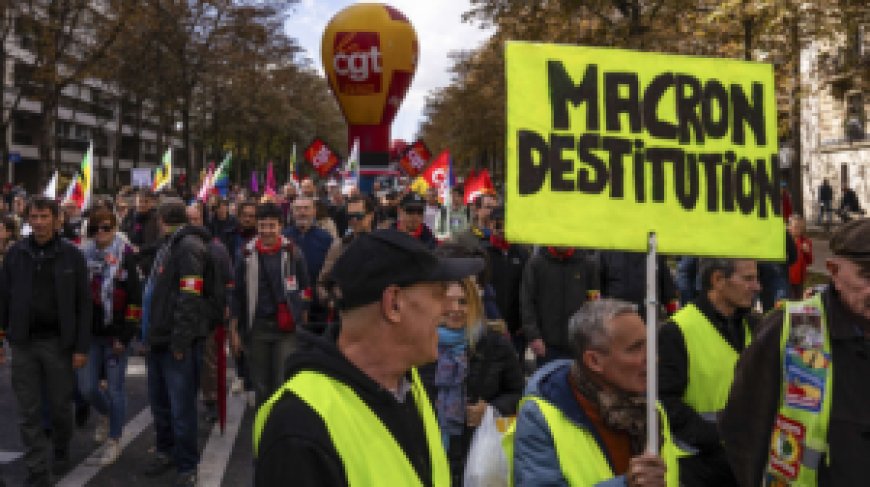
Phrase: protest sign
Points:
(605, 146)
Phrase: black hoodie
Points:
(296, 448)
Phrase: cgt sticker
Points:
(786, 447)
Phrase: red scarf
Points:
(418, 232)
(499, 243)
(561, 254)
(262, 249)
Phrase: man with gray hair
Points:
(698, 350)
(582, 422)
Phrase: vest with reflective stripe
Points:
(711, 362)
(369, 452)
(799, 439)
(581, 460)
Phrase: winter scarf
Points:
(620, 411)
(450, 373)
(105, 265)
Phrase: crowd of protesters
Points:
(167, 276)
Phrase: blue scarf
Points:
(450, 374)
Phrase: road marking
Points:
(219, 447)
(83, 473)
(10, 456)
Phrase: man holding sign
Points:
(620, 150)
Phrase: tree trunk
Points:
(116, 146)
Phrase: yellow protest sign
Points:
(606, 145)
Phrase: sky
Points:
(439, 29)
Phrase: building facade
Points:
(835, 137)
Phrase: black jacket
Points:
(178, 317)
(623, 276)
(128, 292)
(73, 293)
(296, 448)
(506, 269)
(686, 424)
(552, 290)
(494, 374)
(226, 231)
(747, 421)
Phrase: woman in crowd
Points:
(476, 367)
(117, 294)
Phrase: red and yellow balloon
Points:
(369, 53)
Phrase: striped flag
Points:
(163, 174)
(86, 178)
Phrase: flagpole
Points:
(652, 417)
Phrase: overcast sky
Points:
(439, 30)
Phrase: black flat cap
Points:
(852, 241)
(383, 258)
(413, 200)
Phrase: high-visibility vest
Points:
(711, 362)
(799, 441)
(368, 451)
(581, 459)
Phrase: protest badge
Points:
(606, 145)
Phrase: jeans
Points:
(42, 367)
(268, 349)
(172, 394)
(111, 402)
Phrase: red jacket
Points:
(797, 272)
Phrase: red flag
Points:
(321, 157)
(437, 174)
(476, 184)
(415, 159)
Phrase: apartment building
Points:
(834, 108)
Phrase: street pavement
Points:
(226, 458)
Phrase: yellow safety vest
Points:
(581, 460)
(366, 447)
(711, 362)
(799, 440)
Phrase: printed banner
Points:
(321, 157)
(415, 159)
(607, 145)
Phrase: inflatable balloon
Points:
(369, 53)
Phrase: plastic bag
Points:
(486, 465)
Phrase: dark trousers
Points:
(707, 469)
(43, 367)
(267, 350)
(172, 388)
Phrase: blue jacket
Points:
(314, 244)
(535, 459)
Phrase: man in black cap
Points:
(799, 409)
(353, 411)
(411, 210)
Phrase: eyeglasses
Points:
(105, 228)
(356, 216)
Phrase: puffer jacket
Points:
(535, 460)
(179, 313)
(553, 289)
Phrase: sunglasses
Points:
(414, 211)
(356, 216)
